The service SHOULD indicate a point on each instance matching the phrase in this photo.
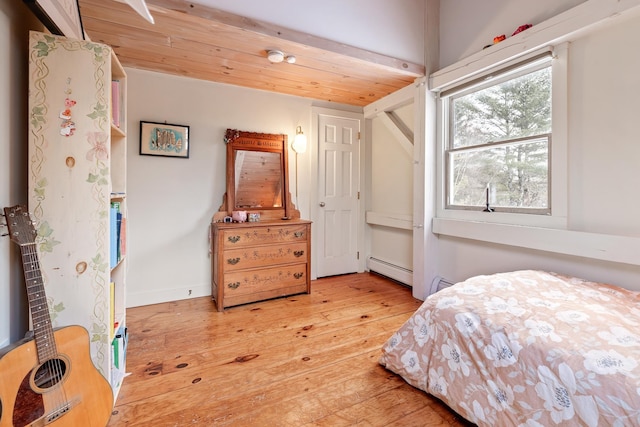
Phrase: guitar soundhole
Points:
(50, 373)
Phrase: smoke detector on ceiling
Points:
(276, 56)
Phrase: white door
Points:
(338, 197)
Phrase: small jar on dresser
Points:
(256, 261)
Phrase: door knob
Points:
(322, 204)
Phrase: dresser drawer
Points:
(266, 279)
(264, 256)
(264, 235)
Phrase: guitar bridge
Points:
(55, 415)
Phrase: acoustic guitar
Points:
(48, 380)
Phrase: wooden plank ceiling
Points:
(195, 41)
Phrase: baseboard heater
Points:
(392, 271)
(439, 284)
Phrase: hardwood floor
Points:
(307, 360)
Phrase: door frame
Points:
(314, 199)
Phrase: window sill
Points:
(622, 249)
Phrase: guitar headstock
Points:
(21, 230)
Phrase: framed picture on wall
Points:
(164, 139)
(61, 17)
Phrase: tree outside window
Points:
(499, 144)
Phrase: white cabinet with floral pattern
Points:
(76, 174)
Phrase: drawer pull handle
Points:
(234, 285)
(233, 261)
(299, 234)
(298, 275)
(234, 239)
(298, 254)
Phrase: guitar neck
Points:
(42, 329)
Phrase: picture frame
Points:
(61, 17)
(164, 139)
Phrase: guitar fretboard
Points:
(42, 329)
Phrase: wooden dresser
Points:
(255, 261)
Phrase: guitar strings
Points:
(43, 329)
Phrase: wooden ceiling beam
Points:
(189, 45)
(200, 49)
(229, 19)
(210, 63)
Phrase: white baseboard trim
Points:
(401, 274)
(137, 299)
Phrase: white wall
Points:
(604, 153)
(466, 26)
(15, 22)
(391, 191)
(393, 28)
(604, 141)
(171, 201)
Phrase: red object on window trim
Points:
(521, 28)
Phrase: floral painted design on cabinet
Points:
(70, 182)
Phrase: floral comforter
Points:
(526, 348)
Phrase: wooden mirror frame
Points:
(254, 141)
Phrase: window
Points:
(498, 140)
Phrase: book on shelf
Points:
(113, 236)
(115, 103)
(118, 236)
(112, 308)
(119, 347)
(117, 233)
(123, 237)
(119, 355)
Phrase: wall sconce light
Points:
(299, 144)
(276, 56)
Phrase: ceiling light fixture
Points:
(276, 56)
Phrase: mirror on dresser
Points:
(257, 176)
(269, 254)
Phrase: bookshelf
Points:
(77, 173)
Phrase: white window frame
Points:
(557, 154)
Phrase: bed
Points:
(526, 348)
